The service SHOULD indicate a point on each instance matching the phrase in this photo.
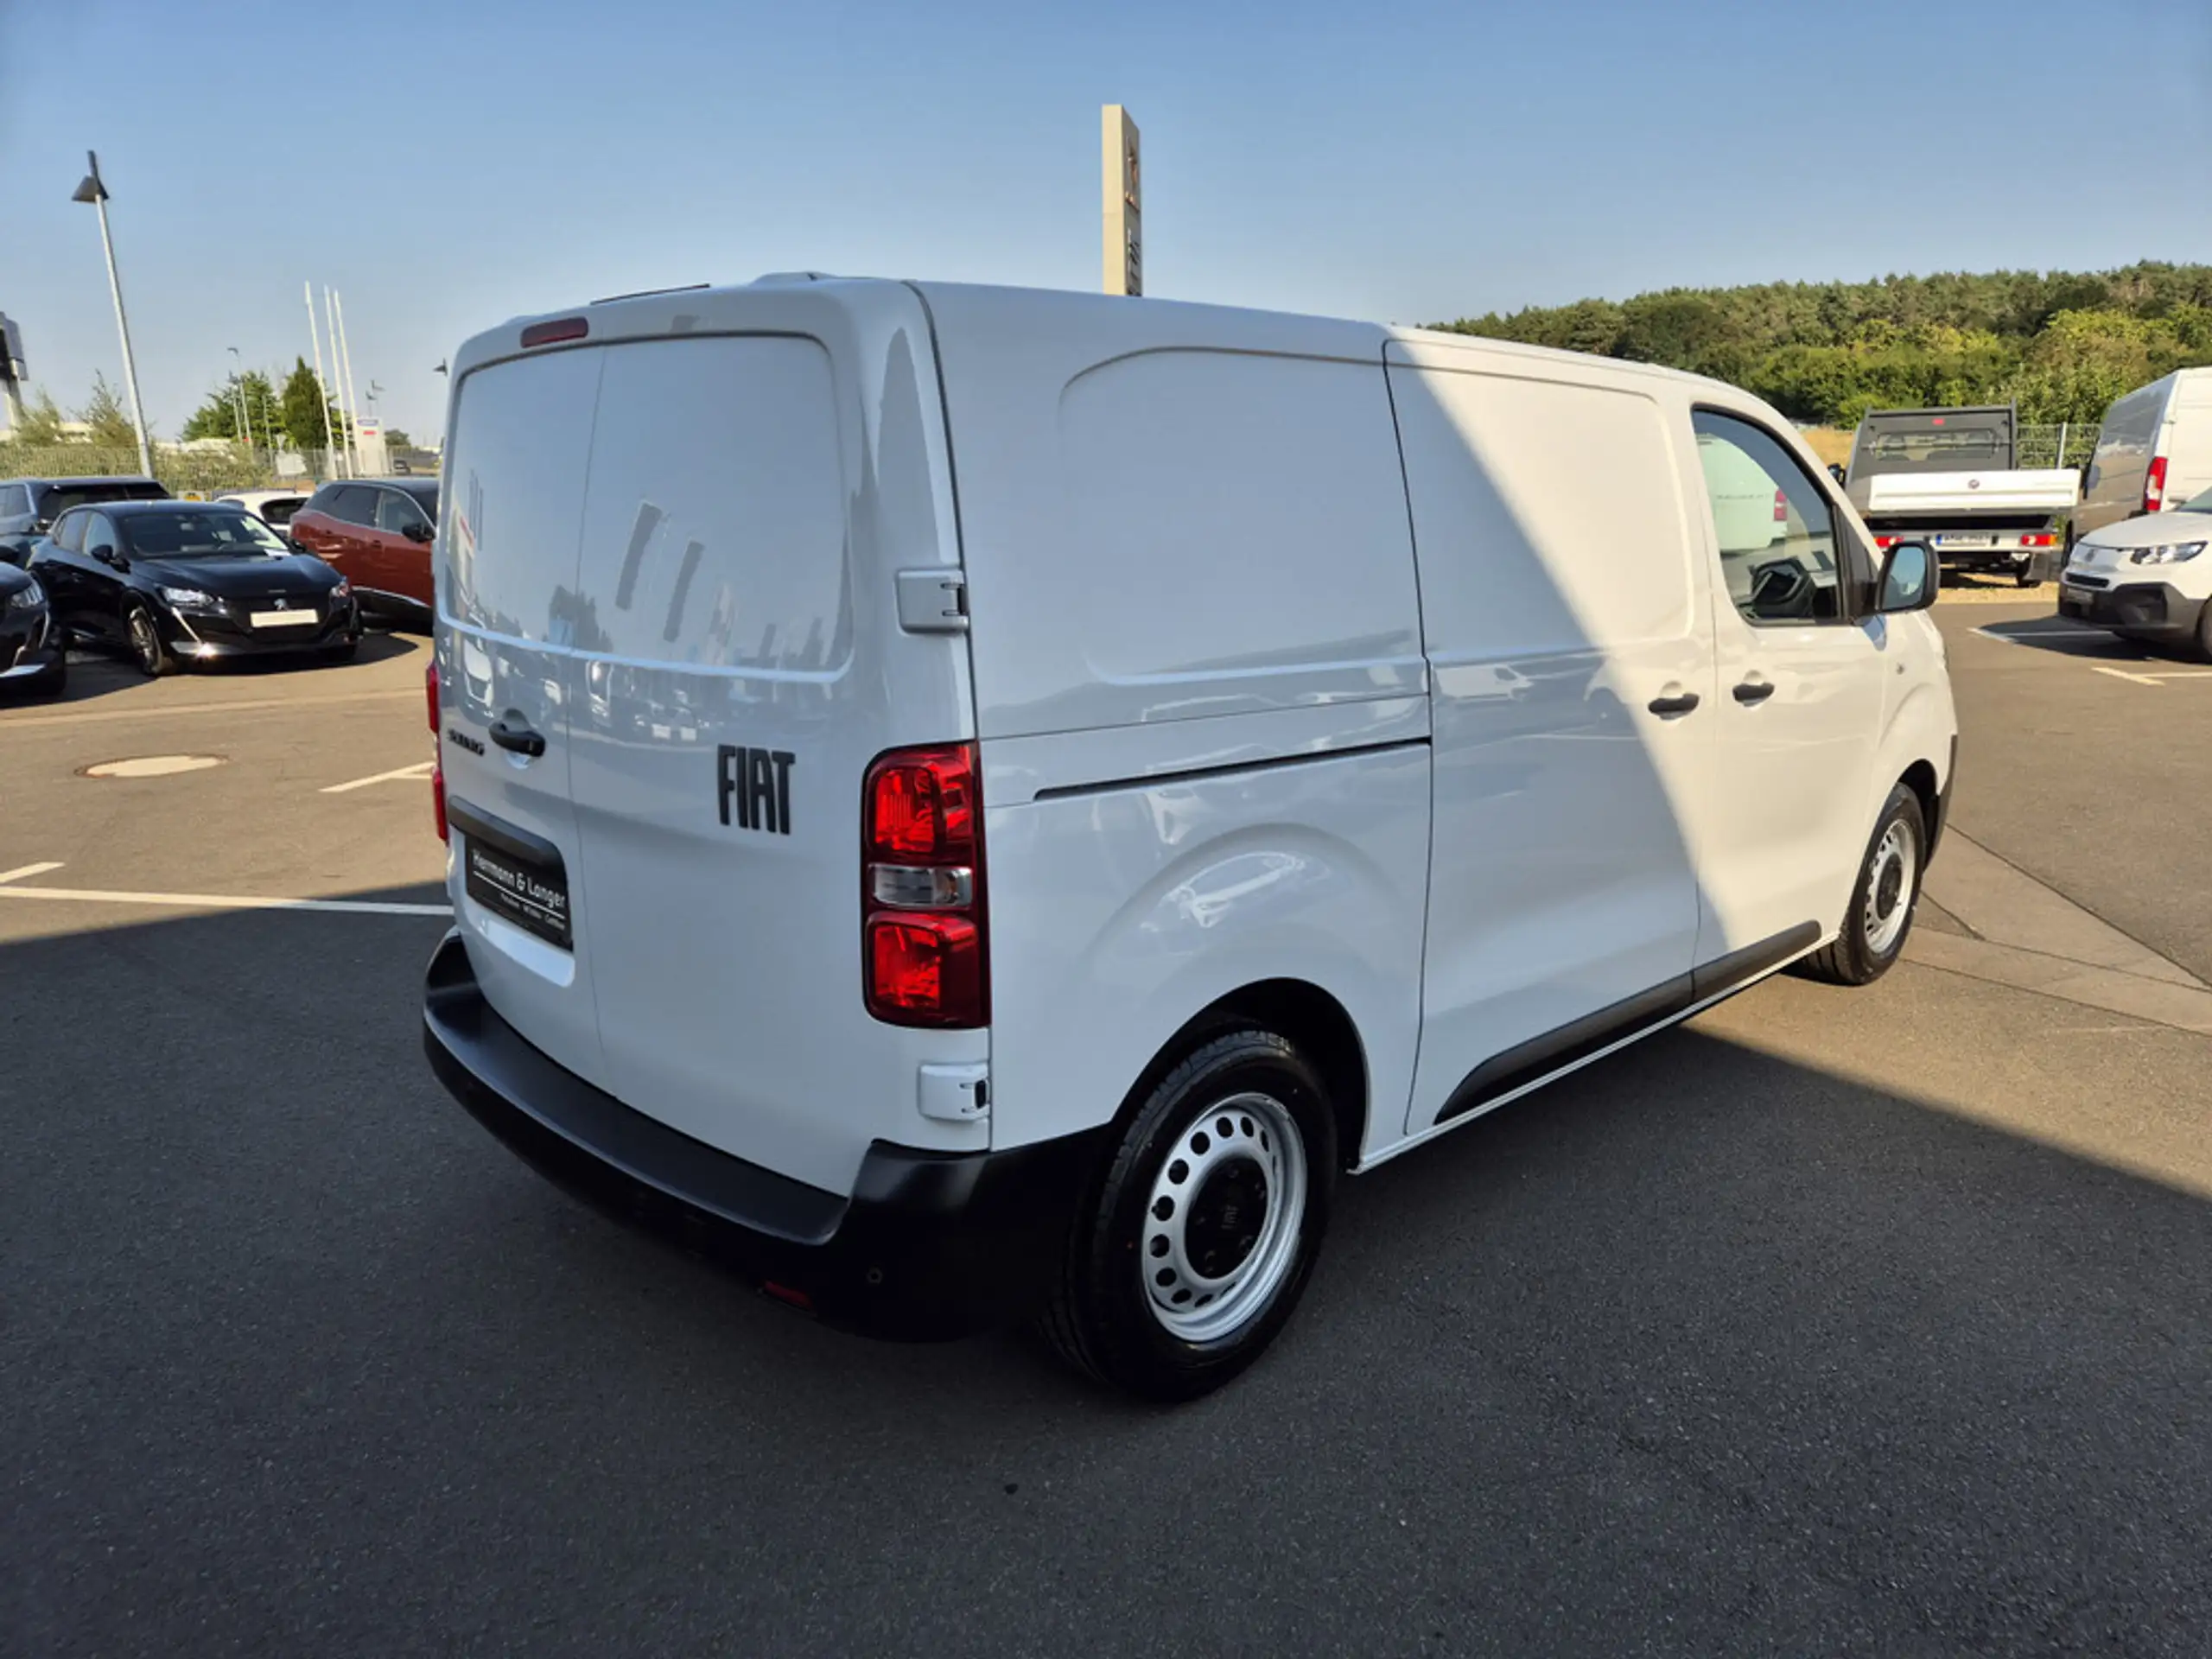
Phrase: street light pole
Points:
(238, 396)
(93, 191)
(321, 392)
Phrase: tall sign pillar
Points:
(1124, 182)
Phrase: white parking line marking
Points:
(218, 901)
(2161, 677)
(1989, 632)
(6, 876)
(420, 770)
(10, 721)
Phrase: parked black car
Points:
(173, 581)
(32, 654)
(29, 507)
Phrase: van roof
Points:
(1235, 327)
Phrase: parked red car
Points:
(376, 532)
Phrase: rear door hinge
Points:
(932, 602)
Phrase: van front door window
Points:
(1776, 532)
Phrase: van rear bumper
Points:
(928, 1245)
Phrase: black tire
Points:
(1866, 949)
(153, 656)
(56, 680)
(2204, 632)
(2027, 576)
(1104, 1317)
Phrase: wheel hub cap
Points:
(1222, 1225)
(1226, 1217)
(1889, 889)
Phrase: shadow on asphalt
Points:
(1698, 1351)
(95, 673)
(2066, 637)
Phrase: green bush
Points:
(2061, 345)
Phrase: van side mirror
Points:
(108, 555)
(1909, 578)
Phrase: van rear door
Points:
(508, 577)
(2188, 438)
(741, 662)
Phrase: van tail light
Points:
(924, 943)
(437, 771)
(1885, 543)
(2040, 540)
(2154, 484)
(1781, 508)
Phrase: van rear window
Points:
(1936, 451)
(715, 525)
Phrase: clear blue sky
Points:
(448, 165)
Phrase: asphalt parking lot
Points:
(1874, 1321)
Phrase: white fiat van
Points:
(970, 803)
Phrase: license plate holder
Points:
(1967, 543)
(531, 893)
(282, 619)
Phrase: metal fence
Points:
(190, 472)
(2068, 445)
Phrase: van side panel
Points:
(1561, 597)
(1172, 512)
(1199, 689)
(1117, 914)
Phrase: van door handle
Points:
(1754, 691)
(1668, 706)
(515, 737)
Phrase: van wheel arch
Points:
(1301, 1013)
(1920, 778)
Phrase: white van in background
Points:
(970, 803)
(2154, 451)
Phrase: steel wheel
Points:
(1225, 1212)
(1208, 1215)
(1890, 885)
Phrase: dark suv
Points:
(30, 506)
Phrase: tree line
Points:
(287, 418)
(2061, 346)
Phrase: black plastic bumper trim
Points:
(510, 838)
(1739, 968)
(2157, 610)
(1538, 1057)
(928, 1245)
